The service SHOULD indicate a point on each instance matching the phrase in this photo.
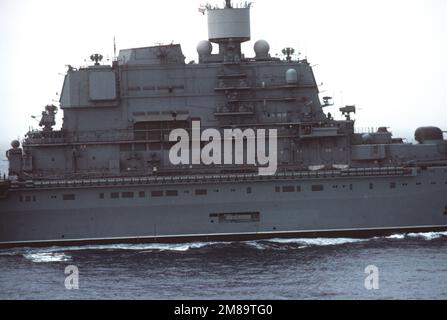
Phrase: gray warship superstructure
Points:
(106, 175)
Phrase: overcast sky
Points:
(386, 56)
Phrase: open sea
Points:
(412, 266)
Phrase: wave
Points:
(47, 257)
(300, 243)
(420, 235)
(322, 242)
(318, 241)
(131, 247)
(177, 247)
(428, 235)
(60, 254)
(398, 236)
(137, 247)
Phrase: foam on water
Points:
(421, 235)
(280, 244)
(256, 245)
(318, 241)
(428, 235)
(47, 257)
(133, 247)
(59, 254)
(149, 246)
(176, 247)
(395, 237)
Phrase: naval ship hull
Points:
(358, 203)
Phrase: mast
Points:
(229, 27)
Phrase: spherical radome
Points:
(261, 48)
(15, 144)
(204, 48)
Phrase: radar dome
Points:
(427, 134)
(15, 144)
(261, 48)
(204, 48)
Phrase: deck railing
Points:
(215, 178)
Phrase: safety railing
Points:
(213, 178)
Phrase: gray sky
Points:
(386, 56)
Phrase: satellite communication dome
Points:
(261, 48)
(204, 48)
(15, 144)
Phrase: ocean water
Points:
(412, 266)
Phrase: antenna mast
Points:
(114, 48)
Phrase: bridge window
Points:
(141, 194)
(392, 185)
(317, 187)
